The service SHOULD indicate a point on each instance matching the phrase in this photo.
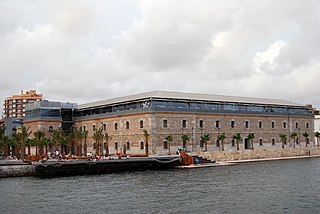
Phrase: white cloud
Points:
(82, 51)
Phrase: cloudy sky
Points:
(82, 51)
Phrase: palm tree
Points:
(169, 139)
(317, 135)
(185, 138)
(204, 139)
(85, 146)
(250, 137)
(15, 142)
(57, 136)
(107, 138)
(294, 136)
(306, 137)
(146, 135)
(79, 138)
(38, 137)
(283, 138)
(98, 138)
(222, 137)
(3, 142)
(238, 138)
(25, 133)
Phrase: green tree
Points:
(98, 138)
(57, 136)
(237, 137)
(185, 138)
(146, 136)
(204, 139)
(85, 146)
(221, 138)
(25, 133)
(294, 136)
(306, 137)
(39, 137)
(317, 135)
(283, 138)
(79, 136)
(169, 139)
(107, 138)
(250, 137)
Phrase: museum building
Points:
(163, 113)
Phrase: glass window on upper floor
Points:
(104, 126)
(115, 126)
(260, 124)
(93, 127)
(272, 124)
(307, 125)
(296, 125)
(127, 125)
(141, 124)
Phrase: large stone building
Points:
(163, 113)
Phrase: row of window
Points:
(232, 124)
(117, 146)
(104, 126)
(201, 124)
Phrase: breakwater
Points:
(13, 168)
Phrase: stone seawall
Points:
(17, 170)
(259, 154)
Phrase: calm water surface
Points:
(288, 186)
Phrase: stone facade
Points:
(265, 128)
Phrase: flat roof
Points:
(189, 97)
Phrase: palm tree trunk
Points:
(237, 145)
(222, 145)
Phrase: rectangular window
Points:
(128, 145)
(165, 123)
(141, 145)
(260, 142)
(201, 123)
(116, 145)
(272, 124)
(127, 125)
(217, 124)
(232, 142)
(93, 127)
(104, 127)
(141, 124)
(115, 126)
(247, 124)
(184, 123)
(232, 124)
(273, 141)
(284, 124)
(165, 145)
